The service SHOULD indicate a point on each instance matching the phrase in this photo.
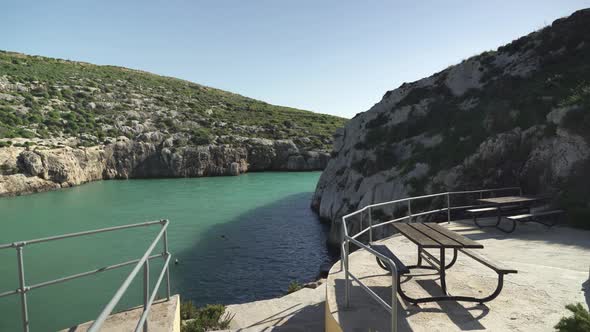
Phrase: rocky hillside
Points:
(519, 115)
(63, 123)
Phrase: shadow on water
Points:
(254, 256)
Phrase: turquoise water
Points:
(237, 239)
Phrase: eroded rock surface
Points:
(39, 168)
(517, 116)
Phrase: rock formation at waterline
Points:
(33, 169)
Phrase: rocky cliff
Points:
(63, 123)
(519, 115)
(37, 168)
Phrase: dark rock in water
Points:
(314, 284)
(325, 270)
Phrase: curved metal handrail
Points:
(429, 196)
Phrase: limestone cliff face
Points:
(38, 168)
(515, 116)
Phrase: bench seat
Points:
(534, 215)
(383, 250)
(499, 211)
(497, 267)
(486, 209)
(494, 208)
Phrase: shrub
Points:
(187, 310)
(577, 121)
(200, 137)
(294, 286)
(7, 169)
(376, 136)
(67, 93)
(579, 95)
(573, 195)
(210, 317)
(579, 322)
(25, 133)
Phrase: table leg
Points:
(419, 257)
(443, 281)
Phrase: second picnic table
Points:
(502, 204)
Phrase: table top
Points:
(432, 235)
(509, 199)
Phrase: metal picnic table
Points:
(506, 203)
(434, 236)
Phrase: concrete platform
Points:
(164, 316)
(300, 311)
(553, 270)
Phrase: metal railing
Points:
(354, 239)
(139, 263)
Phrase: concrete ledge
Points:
(331, 324)
(164, 317)
(299, 311)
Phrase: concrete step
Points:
(164, 316)
(299, 311)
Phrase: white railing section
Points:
(354, 239)
(140, 263)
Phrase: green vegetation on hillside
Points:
(44, 97)
(504, 102)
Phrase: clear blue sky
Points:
(336, 57)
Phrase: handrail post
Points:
(342, 251)
(448, 208)
(146, 290)
(167, 253)
(361, 217)
(344, 262)
(370, 226)
(394, 299)
(410, 210)
(347, 279)
(23, 288)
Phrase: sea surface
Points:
(237, 239)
